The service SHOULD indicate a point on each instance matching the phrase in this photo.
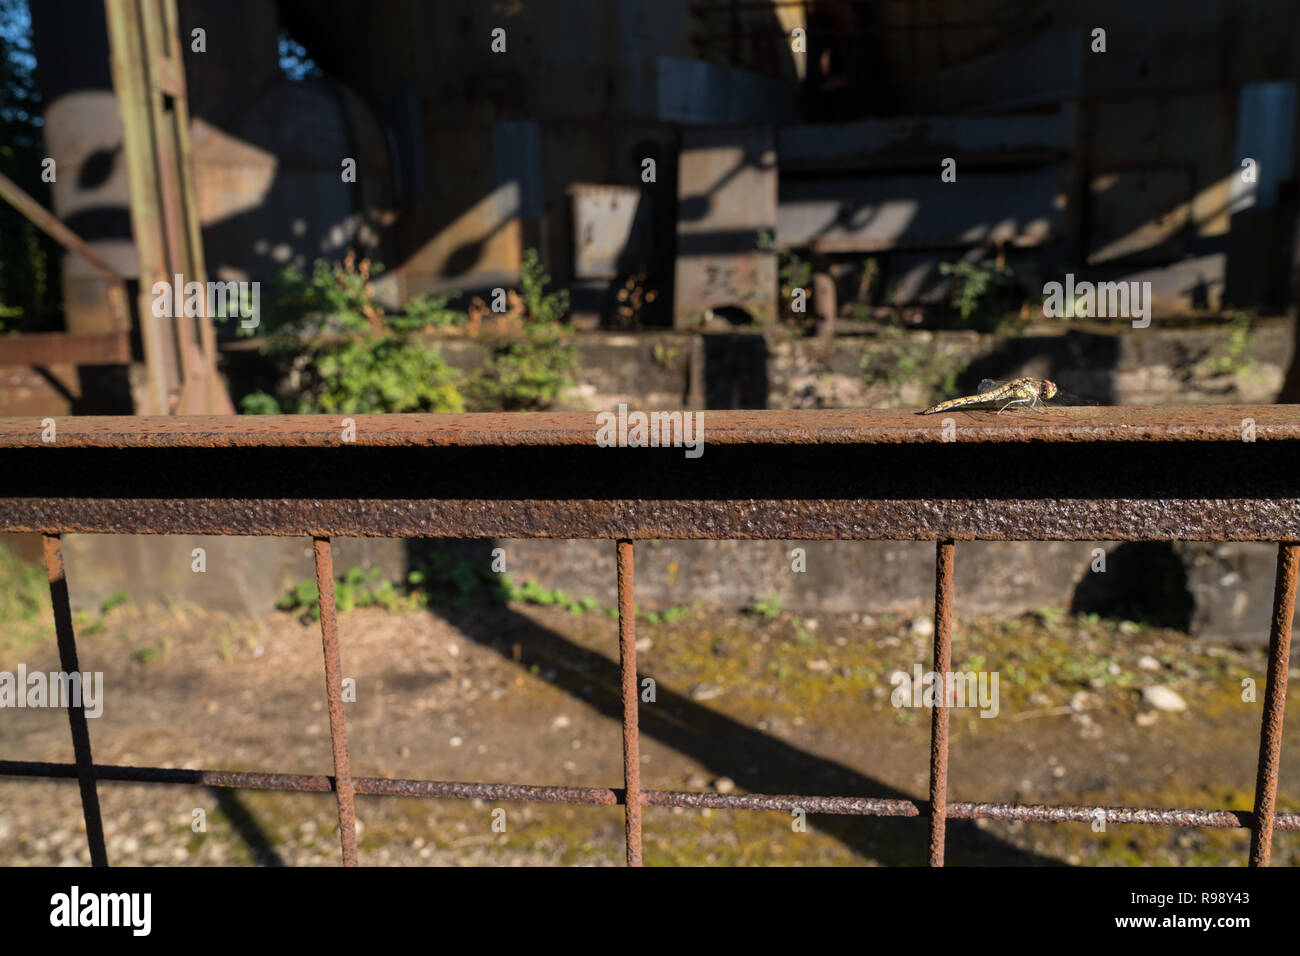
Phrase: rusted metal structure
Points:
(42, 348)
(149, 80)
(180, 353)
(1210, 473)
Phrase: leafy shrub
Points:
(343, 354)
(984, 297)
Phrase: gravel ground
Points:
(1088, 714)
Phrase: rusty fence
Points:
(1210, 473)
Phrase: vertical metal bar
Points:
(76, 713)
(939, 715)
(631, 734)
(344, 788)
(1270, 734)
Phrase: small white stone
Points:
(456, 741)
(1149, 663)
(724, 785)
(922, 626)
(1163, 698)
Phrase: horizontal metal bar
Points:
(51, 348)
(1169, 423)
(1012, 519)
(602, 796)
(773, 475)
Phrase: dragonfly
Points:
(1022, 392)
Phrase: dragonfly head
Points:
(1049, 389)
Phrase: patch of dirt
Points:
(525, 694)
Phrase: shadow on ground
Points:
(756, 761)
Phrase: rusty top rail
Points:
(1217, 423)
(1113, 474)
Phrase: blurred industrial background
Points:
(661, 181)
(502, 205)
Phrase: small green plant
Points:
(802, 635)
(116, 599)
(25, 596)
(526, 374)
(440, 580)
(543, 307)
(345, 354)
(983, 296)
(427, 312)
(793, 272)
(531, 372)
(1051, 616)
(339, 352)
(769, 607)
(1233, 360)
(908, 357)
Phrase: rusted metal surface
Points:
(1178, 423)
(627, 674)
(1116, 474)
(48, 348)
(329, 630)
(692, 800)
(943, 585)
(76, 712)
(1015, 519)
(1142, 816)
(1270, 735)
(148, 83)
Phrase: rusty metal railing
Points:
(1213, 473)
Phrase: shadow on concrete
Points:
(756, 761)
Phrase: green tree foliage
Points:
(29, 260)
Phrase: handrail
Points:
(1194, 472)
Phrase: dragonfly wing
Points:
(1071, 398)
(988, 385)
